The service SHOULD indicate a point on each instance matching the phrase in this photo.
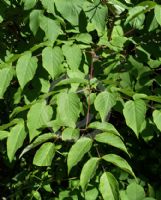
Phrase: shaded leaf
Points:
(70, 134)
(34, 20)
(157, 11)
(3, 135)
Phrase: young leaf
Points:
(157, 11)
(50, 27)
(26, 68)
(15, 139)
(73, 56)
(135, 192)
(70, 103)
(52, 59)
(38, 115)
(109, 187)
(157, 118)
(6, 75)
(103, 104)
(88, 171)
(44, 154)
(73, 7)
(134, 113)
(77, 151)
(3, 135)
(119, 162)
(39, 140)
(111, 139)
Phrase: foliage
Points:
(80, 99)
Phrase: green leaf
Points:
(157, 118)
(157, 11)
(29, 4)
(52, 59)
(104, 126)
(3, 135)
(34, 20)
(134, 113)
(109, 187)
(26, 68)
(84, 38)
(96, 14)
(50, 27)
(44, 155)
(77, 151)
(49, 5)
(39, 140)
(39, 115)
(135, 192)
(88, 171)
(6, 75)
(70, 10)
(103, 104)
(70, 134)
(119, 162)
(70, 103)
(73, 56)
(15, 139)
(111, 139)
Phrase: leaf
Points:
(88, 171)
(109, 187)
(103, 104)
(44, 155)
(96, 14)
(49, 5)
(6, 75)
(84, 38)
(111, 139)
(134, 113)
(104, 126)
(73, 7)
(157, 11)
(3, 135)
(50, 27)
(77, 151)
(73, 55)
(52, 59)
(70, 134)
(157, 118)
(15, 140)
(38, 115)
(39, 140)
(29, 4)
(70, 103)
(119, 162)
(34, 20)
(135, 192)
(26, 68)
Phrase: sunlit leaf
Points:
(77, 151)
(44, 154)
